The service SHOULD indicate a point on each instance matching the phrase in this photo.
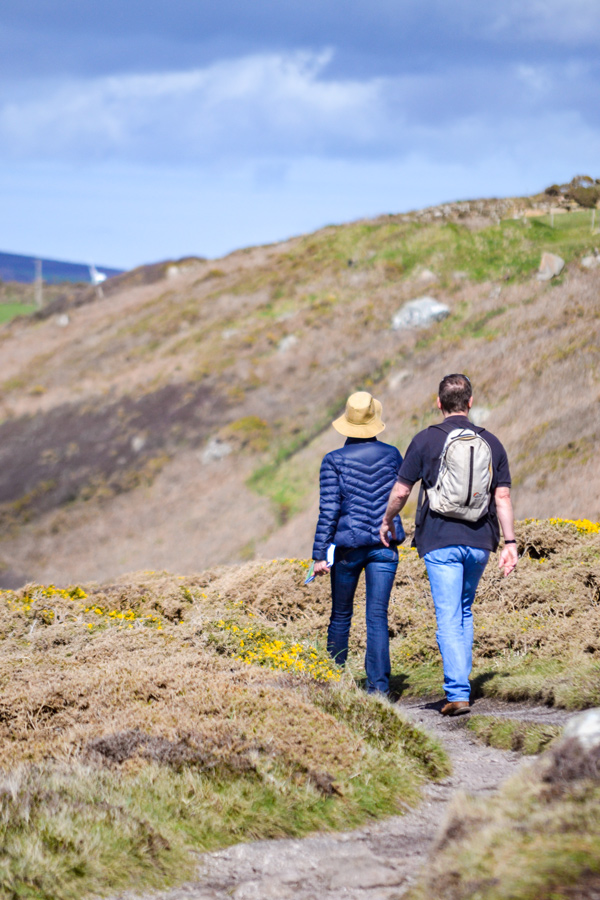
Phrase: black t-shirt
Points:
(422, 462)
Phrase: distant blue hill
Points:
(14, 267)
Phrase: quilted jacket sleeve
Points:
(329, 508)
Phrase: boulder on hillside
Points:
(419, 313)
(427, 276)
(287, 343)
(551, 265)
(216, 450)
(584, 728)
(590, 262)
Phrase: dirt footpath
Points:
(377, 862)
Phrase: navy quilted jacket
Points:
(356, 481)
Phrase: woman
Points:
(356, 481)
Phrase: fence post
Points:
(38, 289)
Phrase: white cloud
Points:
(285, 107)
(277, 101)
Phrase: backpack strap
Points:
(420, 504)
(447, 427)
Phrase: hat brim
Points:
(343, 426)
(369, 429)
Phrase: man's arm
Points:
(398, 497)
(509, 555)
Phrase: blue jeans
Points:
(454, 574)
(380, 564)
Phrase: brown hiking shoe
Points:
(455, 708)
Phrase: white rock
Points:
(395, 379)
(585, 728)
(174, 271)
(228, 333)
(479, 415)
(215, 450)
(63, 320)
(551, 265)
(138, 442)
(426, 276)
(287, 343)
(420, 313)
(590, 262)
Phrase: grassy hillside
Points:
(537, 633)
(144, 719)
(200, 393)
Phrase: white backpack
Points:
(462, 489)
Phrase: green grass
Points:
(67, 831)
(286, 481)
(507, 251)
(10, 311)
(68, 834)
(287, 484)
(513, 734)
(567, 684)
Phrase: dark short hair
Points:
(455, 392)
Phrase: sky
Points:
(132, 132)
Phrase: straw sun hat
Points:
(362, 418)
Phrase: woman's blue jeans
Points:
(380, 564)
(454, 574)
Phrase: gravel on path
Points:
(378, 861)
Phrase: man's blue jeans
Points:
(454, 574)
(380, 564)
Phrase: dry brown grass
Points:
(123, 704)
(131, 734)
(66, 684)
(537, 633)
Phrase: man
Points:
(456, 545)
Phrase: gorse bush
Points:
(143, 720)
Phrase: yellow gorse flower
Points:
(29, 603)
(583, 526)
(254, 647)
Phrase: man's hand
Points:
(398, 497)
(509, 555)
(321, 567)
(508, 558)
(387, 528)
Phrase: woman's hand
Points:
(321, 567)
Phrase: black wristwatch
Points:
(510, 542)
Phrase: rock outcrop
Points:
(419, 313)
